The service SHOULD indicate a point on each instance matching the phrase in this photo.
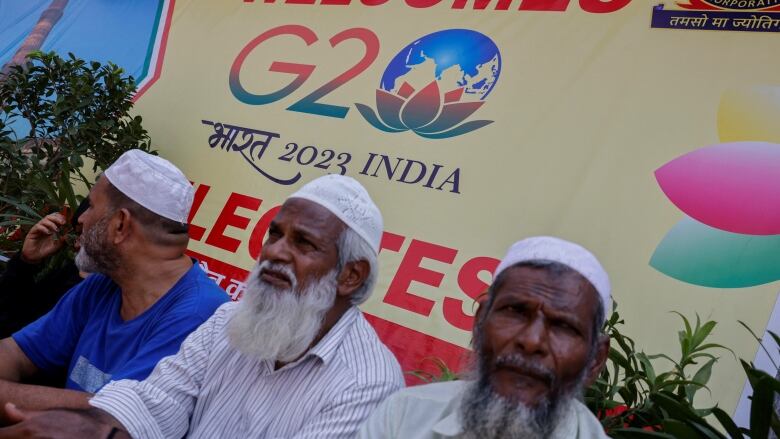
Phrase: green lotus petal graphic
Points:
(698, 254)
(373, 119)
(457, 131)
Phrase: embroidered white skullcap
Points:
(347, 199)
(574, 256)
(152, 182)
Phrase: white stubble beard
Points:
(280, 324)
(85, 262)
(95, 255)
(487, 414)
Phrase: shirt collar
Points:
(450, 424)
(326, 348)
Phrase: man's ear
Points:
(481, 309)
(120, 225)
(599, 360)
(352, 277)
(481, 304)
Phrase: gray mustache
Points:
(280, 268)
(524, 366)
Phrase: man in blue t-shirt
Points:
(142, 301)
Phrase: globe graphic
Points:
(455, 58)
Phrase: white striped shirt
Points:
(210, 390)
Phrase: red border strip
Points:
(419, 352)
(161, 53)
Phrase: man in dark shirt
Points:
(24, 295)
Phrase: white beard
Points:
(488, 415)
(85, 262)
(280, 324)
(96, 255)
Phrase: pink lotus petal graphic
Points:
(454, 95)
(389, 107)
(732, 186)
(406, 90)
(423, 107)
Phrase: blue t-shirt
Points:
(85, 332)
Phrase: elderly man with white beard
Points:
(295, 358)
(538, 343)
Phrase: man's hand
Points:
(58, 424)
(43, 240)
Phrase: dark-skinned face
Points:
(98, 205)
(546, 320)
(303, 236)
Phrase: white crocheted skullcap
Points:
(152, 182)
(574, 256)
(347, 199)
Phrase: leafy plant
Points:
(54, 114)
(634, 401)
(636, 397)
(442, 372)
(765, 402)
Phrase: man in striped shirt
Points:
(294, 359)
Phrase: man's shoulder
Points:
(433, 393)
(588, 424)
(196, 294)
(423, 405)
(367, 357)
(93, 290)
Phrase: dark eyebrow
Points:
(570, 319)
(308, 234)
(563, 315)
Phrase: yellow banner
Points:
(474, 123)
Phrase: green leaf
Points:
(638, 433)
(675, 408)
(688, 331)
(680, 430)
(701, 334)
(727, 423)
(701, 378)
(618, 358)
(421, 375)
(21, 206)
(19, 222)
(744, 325)
(664, 356)
(66, 191)
(707, 431)
(775, 337)
(46, 186)
(647, 366)
(761, 408)
(17, 216)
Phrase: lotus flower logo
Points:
(730, 193)
(434, 84)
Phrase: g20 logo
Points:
(430, 87)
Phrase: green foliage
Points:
(635, 399)
(442, 373)
(75, 110)
(639, 394)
